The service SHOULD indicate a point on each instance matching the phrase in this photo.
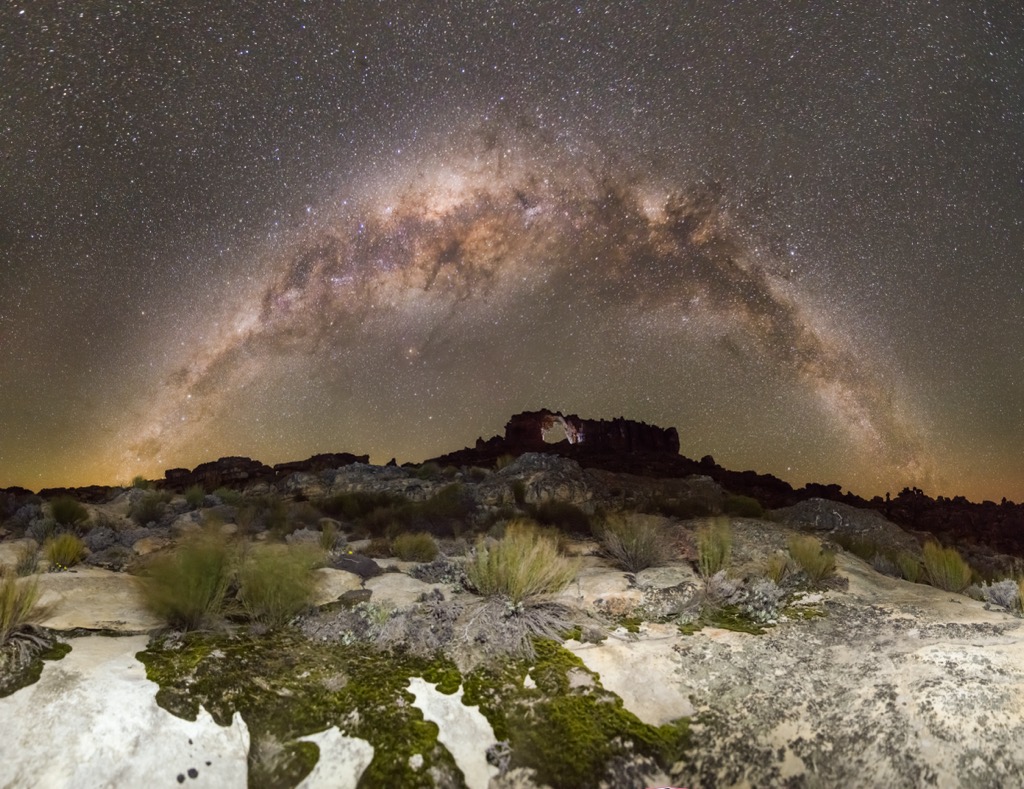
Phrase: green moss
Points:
(567, 734)
(729, 617)
(803, 612)
(286, 687)
(631, 623)
(14, 677)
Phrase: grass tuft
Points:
(17, 605)
(946, 568)
(67, 511)
(910, 566)
(276, 582)
(714, 546)
(742, 506)
(27, 558)
(636, 543)
(194, 496)
(186, 588)
(814, 560)
(65, 550)
(777, 567)
(522, 565)
(415, 547)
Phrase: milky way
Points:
(280, 228)
(484, 253)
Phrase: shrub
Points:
(276, 582)
(27, 559)
(946, 568)
(504, 461)
(65, 550)
(17, 605)
(194, 496)
(684, 509)
(418, 547)
(714, 545)
(186, 588)
(814, 560)
(776, 567)
(330, 537)
(523, 564)
(910, 566)
(228, 496)
(68, 512)
(378, 548)
(636, 543)
(428, 471)
(763, 600)
(519, 492)
(1002, 593)
(562, 515)
(742, 507)
(141, 483)
(150, 507)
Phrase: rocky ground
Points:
(867, 681)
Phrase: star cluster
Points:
(283, 228)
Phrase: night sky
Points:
(280, 228)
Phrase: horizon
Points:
(795, 237)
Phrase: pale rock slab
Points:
(464, 731)
(399, 589)
(94, 599)
(92, 720)
(342, 760)
(332, 584)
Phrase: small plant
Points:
(811, 557)
(519, 492)
(17, 605)
(27, 559)
(186, 588)
(561, 514)
(428, 471)
(776, 568)
(276, 582)
(637, 543)
(522, 565)
(194, 496)
(504, 461)
(742, 507)
(65, 550)
(417, 547)
(141, 483)
(910, 566)
(379, 548)
(330, 536)
(150, 507)
(763, 600)
(1004, 594)
(228, 496)
(66, 511)
(946, 568)
(714, 546)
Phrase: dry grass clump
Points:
(776, 567)
(499, 627)
(27, 558)
(714, 546)
(414, 547)
(65, 550)
(522, 565)
(276, 582)
(67, 511)
(910, 566)
(186, 587)
(946, 568)
(636, 543)
(17, 605)
(814, 560)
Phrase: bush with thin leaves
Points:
(946, 568)
(150, 507)
(522, 565)
(414, 547)
(17, 605)
(276, 582)
(27, 559)
(66, 511)
(714, 546)
(331, 538)
(811, 557)
(194, 496)
(186, 587)
(742, 506)
(776, 567)
(910, 566)
(65, 550)
(636, 543)
(1004, 594)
